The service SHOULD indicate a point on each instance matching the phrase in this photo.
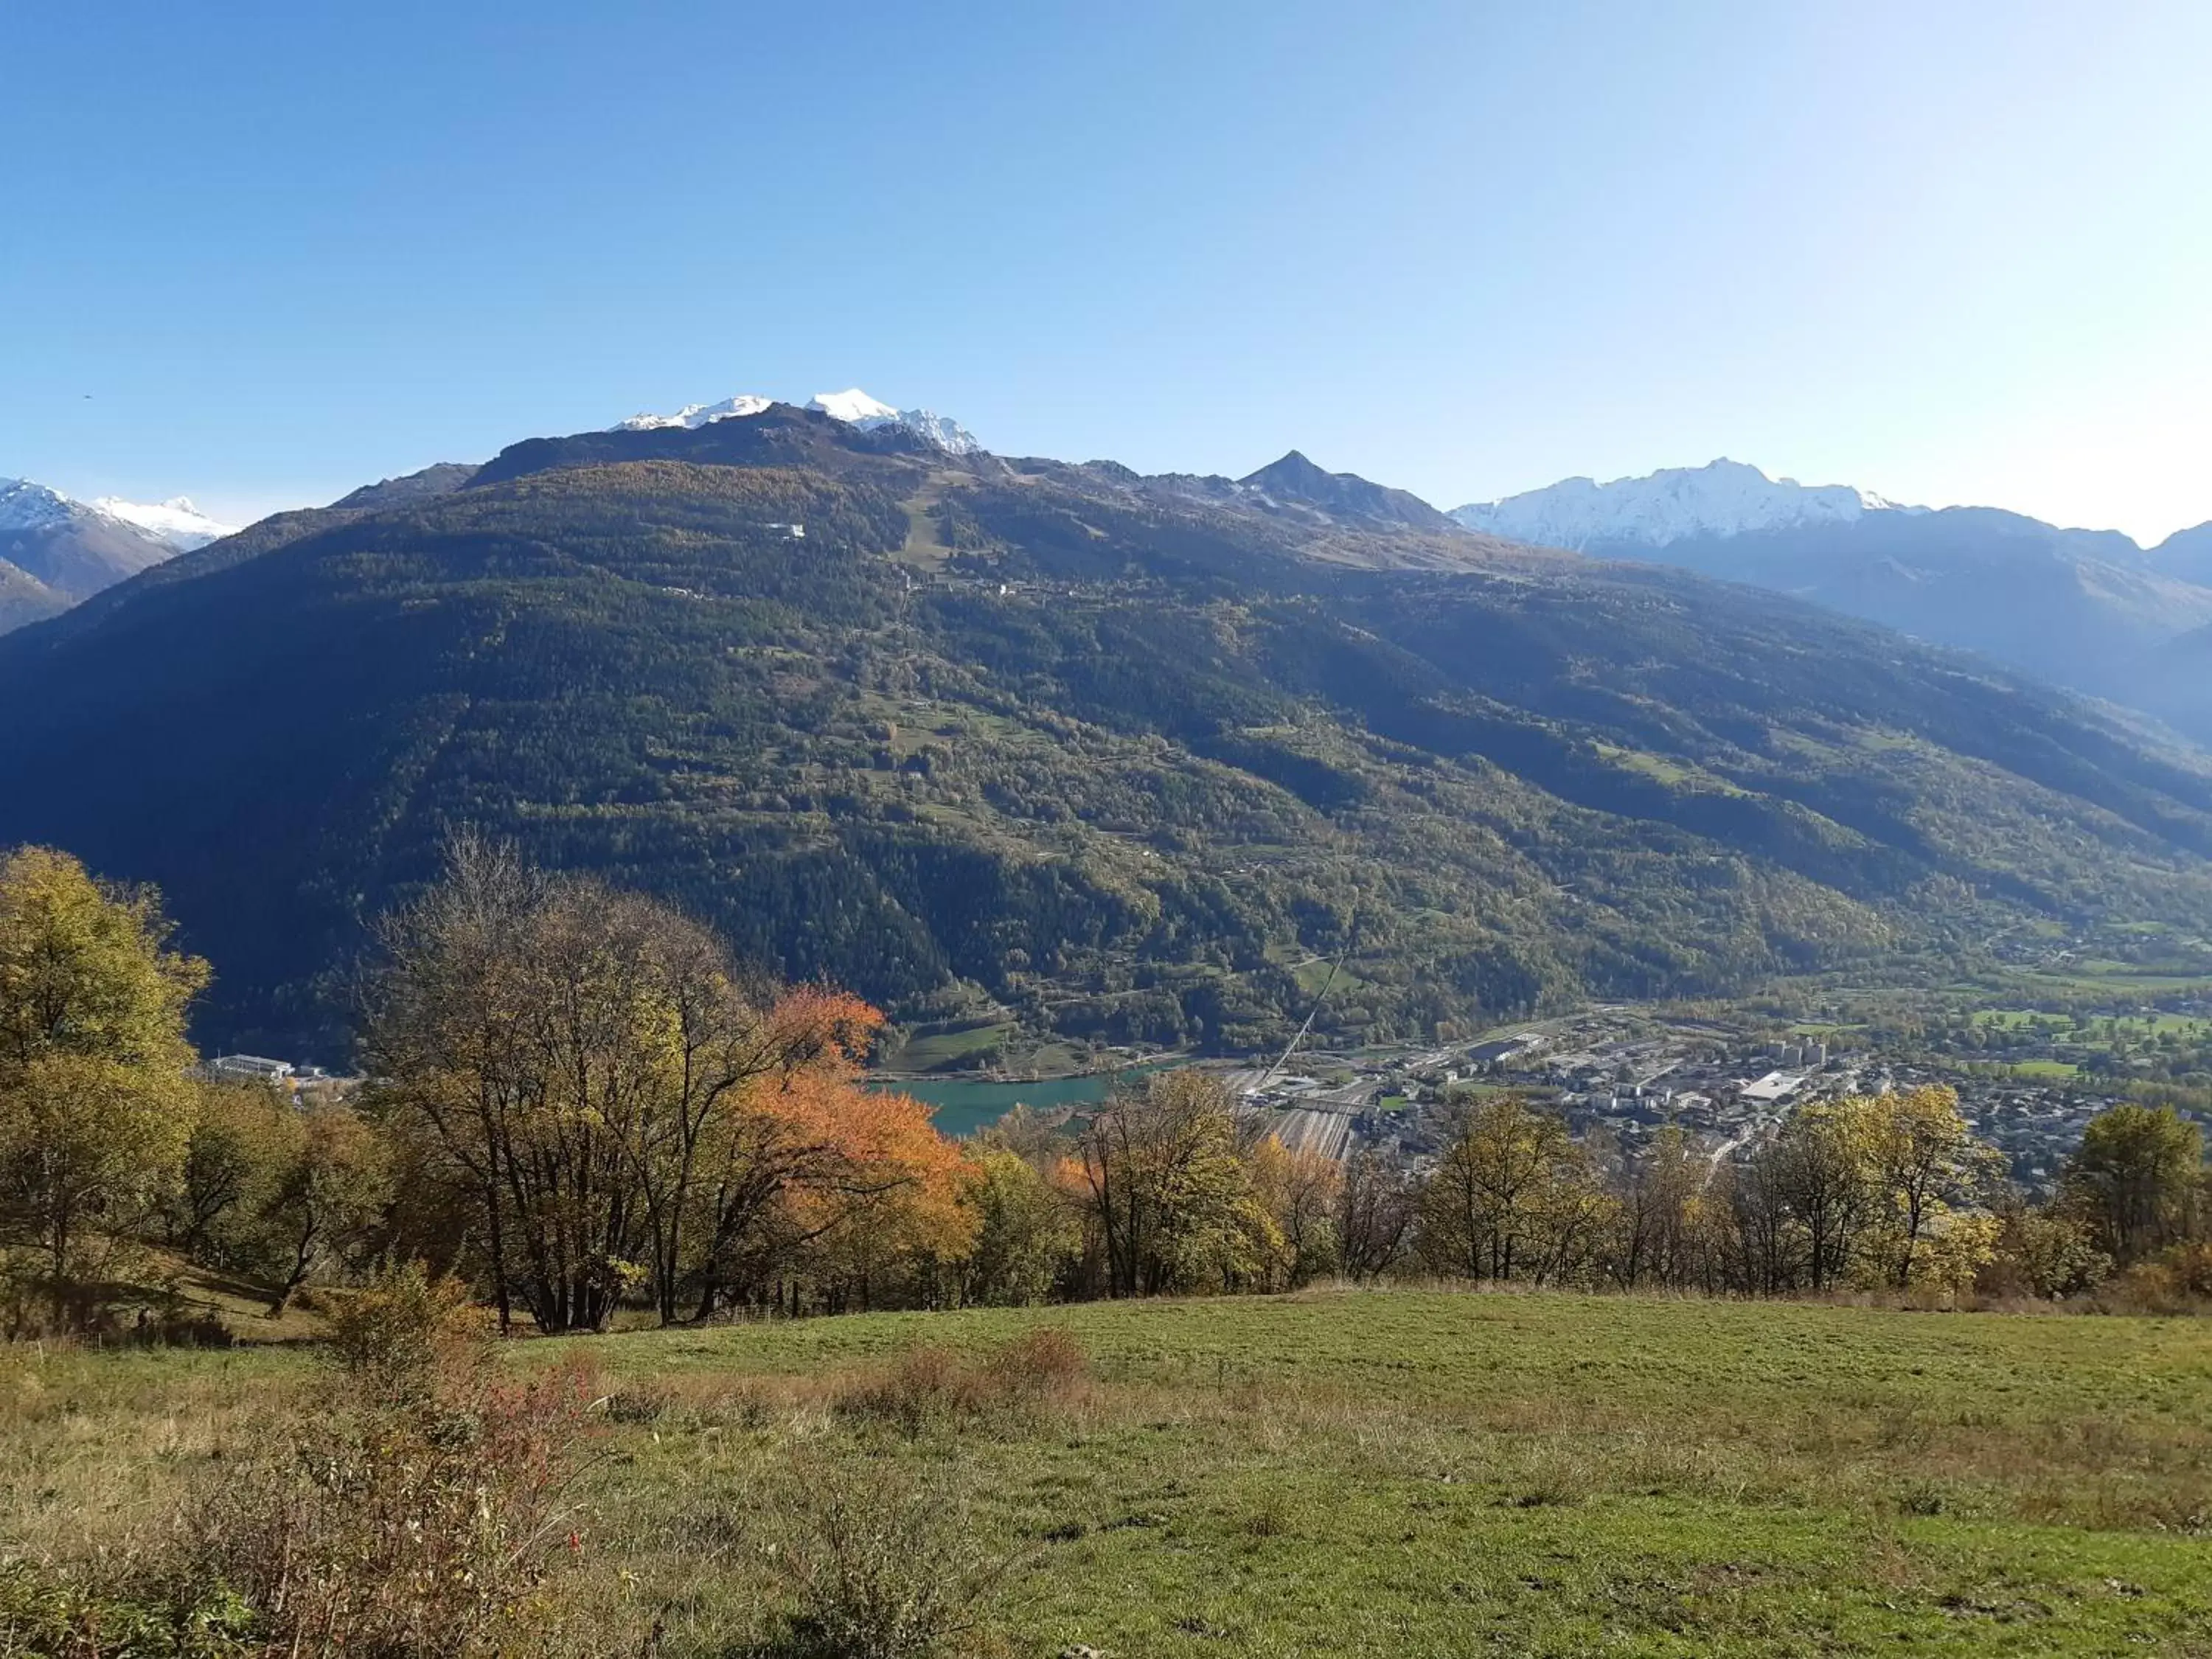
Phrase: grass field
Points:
(940, 1050)
(2046, 1070)
(2077, 1030)
(1349, 1473)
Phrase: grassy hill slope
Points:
(1347, 1473)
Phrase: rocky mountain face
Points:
(2186, 555)
(1345, 497)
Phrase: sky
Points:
(1958, 252)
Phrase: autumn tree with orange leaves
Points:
(815, 1183)
(616, 1110)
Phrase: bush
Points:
(416, 1511)
(887, 1568)
(931, 1387)
(53, 1614)
(2177, 1280)
(398, 1338)
(403, 1530)
(1039, 1364)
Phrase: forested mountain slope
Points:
(1125, 754)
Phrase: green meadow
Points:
(1340, 1473)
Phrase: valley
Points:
(1237, 977)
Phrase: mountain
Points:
(56, 551)
(854, 408)
(407, 490)
(1120, 758)
(24, 598)
(1346, 497)
(2186, 555)
(175, 523)
(2087, 610)
(1721, 498)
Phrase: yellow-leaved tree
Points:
(1162, 1181)
(1513, 1197)
(1935, 1176)
(96, 1107)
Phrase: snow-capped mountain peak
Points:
(852, 406)
(175, 524)
(698, 414)
(27, 506)
(856, 408)
(1721, 498)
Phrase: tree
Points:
(1377, 1204)
(1655, 1218)
(1165, 1193)
(85, 967)
(328, 1198)
(242, 1135)
(1929, 1167)
(1822, 1166)
(796, 1151)
(881, 1195)
(2043, 1250)
(95, 1108)
(1512, 1196)
(1298, 1189)
(625, 1110)
(1026, 1234)
(2138, 1175)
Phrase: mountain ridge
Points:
(2091, 611)
(1722, 497)
(56, 551)
(1110, 752)
(852, 407)
(1345, 495)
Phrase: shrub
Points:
(416, 1511)
(1039, 1364)
(56, 1615)
(399, 1337)
(2177, 1280)
(396, 1530)
(887, 1568)
(931, 1387)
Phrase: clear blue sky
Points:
(1950, 251)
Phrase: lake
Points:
(966, 1104)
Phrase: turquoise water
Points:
(964, 1105)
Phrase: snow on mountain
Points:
(855, 408)
(942, 430)
(852, 406)
(697, 415)
(176, 524)
(1721, 498)
(56, 551)
(27, 506)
